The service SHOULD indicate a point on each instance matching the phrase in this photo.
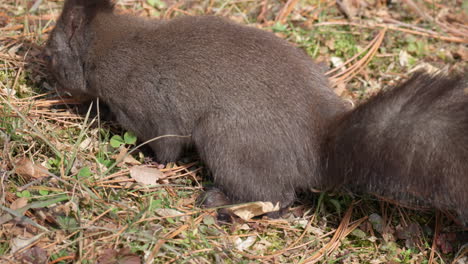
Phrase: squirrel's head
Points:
(67, 47)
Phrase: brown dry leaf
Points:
(340, 88)
(262, 245)
(426, 67)
(377, 222)
(36, 255)
(131, 160)
(123, 158)
(462, 53)
(27, 168)
(60, 236)
(445, 242)
(337, 62)
(250, 210)
(122, 256)
(167, 212)
(66, 208)
(242, 245)
(19, 203)
(351, 8)
(61, 146)
(452, 18)
(403, 58)
(409, 234)
(4, 19)
(124, 181)
(146, 175)
(16, 230)
(330, 43)
(8, 92)
(86, 144)
(20, 242)
(183, 202)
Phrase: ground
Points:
(68, 194)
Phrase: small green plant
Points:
(4, 248)
(25, 194)
(84, 172)
(43, 192)
(156, 3)
(129, 138)
(416, 47)
(67, 222)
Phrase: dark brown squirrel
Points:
(260, 112)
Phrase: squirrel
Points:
(259, 112)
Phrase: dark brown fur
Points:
(254, 105)
(257, 108)
(408, 143)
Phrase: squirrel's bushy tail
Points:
(409, 143)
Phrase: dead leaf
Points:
(262, 245)
(124, 181)
(242, 245)
(167, 212)
(409, 234)
(27, 168)
(316, 231)
(403, 58)
(183, 202)
(19, 203)
(123, 158)
(452, 18)
(119, 157)
(4, 19)
(15, 230)
(330, 43)
(462, 53)
(249, 210)
(122, 256)
(351, 8)
(146, 175)
(20, 242)
(8, 91)
(66, 208)
(377, 222)
(131, 160)
(85, 144)
(340, 88)
(337, 62)
(426, 67)
(445, 242)
(36, 255)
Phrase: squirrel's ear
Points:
(89, 5)
(86, 9)
(77, 13)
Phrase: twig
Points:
(434, 240)
(285, 11)
(395, 28)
